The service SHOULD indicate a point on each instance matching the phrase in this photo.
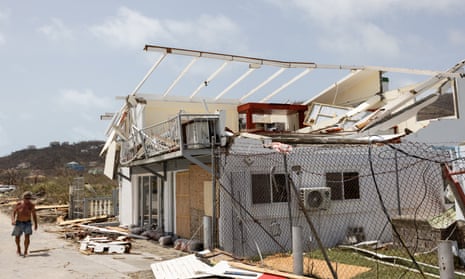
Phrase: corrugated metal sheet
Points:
(181, 268)
(191, 267)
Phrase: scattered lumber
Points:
(84, 220)
(104, 245)
(104, 230)
(56, 206)
(123, 230)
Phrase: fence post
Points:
(86, 206)
(297, 250)
(207, 232)
(446, 259)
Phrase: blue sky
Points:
(63, 63)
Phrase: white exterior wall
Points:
(127, 199)
(169, 203)
(331, 224)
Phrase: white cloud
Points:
(82, 100)
(206, 31)
(130, 28)
(360, 10)
(368, 39)
(56, 30)
(356, 26)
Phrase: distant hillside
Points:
(55, 157)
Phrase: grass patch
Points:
(381, 269)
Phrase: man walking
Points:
(21, 217)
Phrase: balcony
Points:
(184, 133)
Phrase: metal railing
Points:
(184, 131)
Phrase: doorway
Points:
(148, 201)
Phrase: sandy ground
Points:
(316, 267)
(56, 257)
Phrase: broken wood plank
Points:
(103, 230)
(84, 220)
(40, 250)
(265, 270)
(41, 207)
(118, 229)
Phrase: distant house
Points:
(23, 165)
(75, 166)
(54, 144)
(7, 188)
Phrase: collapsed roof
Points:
(356, 106)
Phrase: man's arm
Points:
(13, 215)
(34, 217)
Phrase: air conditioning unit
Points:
(316, 198)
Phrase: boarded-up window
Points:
(268, 188)
(344, 185)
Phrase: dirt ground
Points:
(315, 267)
(52, 256)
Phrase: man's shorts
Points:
(22, 227)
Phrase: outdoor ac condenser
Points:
(316, 198)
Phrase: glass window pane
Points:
(261, 190)
(351, 186)
(334, 181)
(279, 188)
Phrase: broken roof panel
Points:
(356, 87)
(266, 79)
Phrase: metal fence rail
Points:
(182, 131)
(366, 211)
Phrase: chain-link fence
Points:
(365, 211)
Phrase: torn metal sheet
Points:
(191, 267)
(181, 268)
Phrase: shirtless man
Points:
(21, 219)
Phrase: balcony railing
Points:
(182, 132)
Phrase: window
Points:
(344, 185)
(268, 188)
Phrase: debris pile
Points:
(208, 263)
(91, 245)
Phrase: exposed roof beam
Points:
(178, 78)
(155, 65)
(236, 82)
(209, 79)
(286, 64)
(229, 57)
(265, 82)
(285, 85)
